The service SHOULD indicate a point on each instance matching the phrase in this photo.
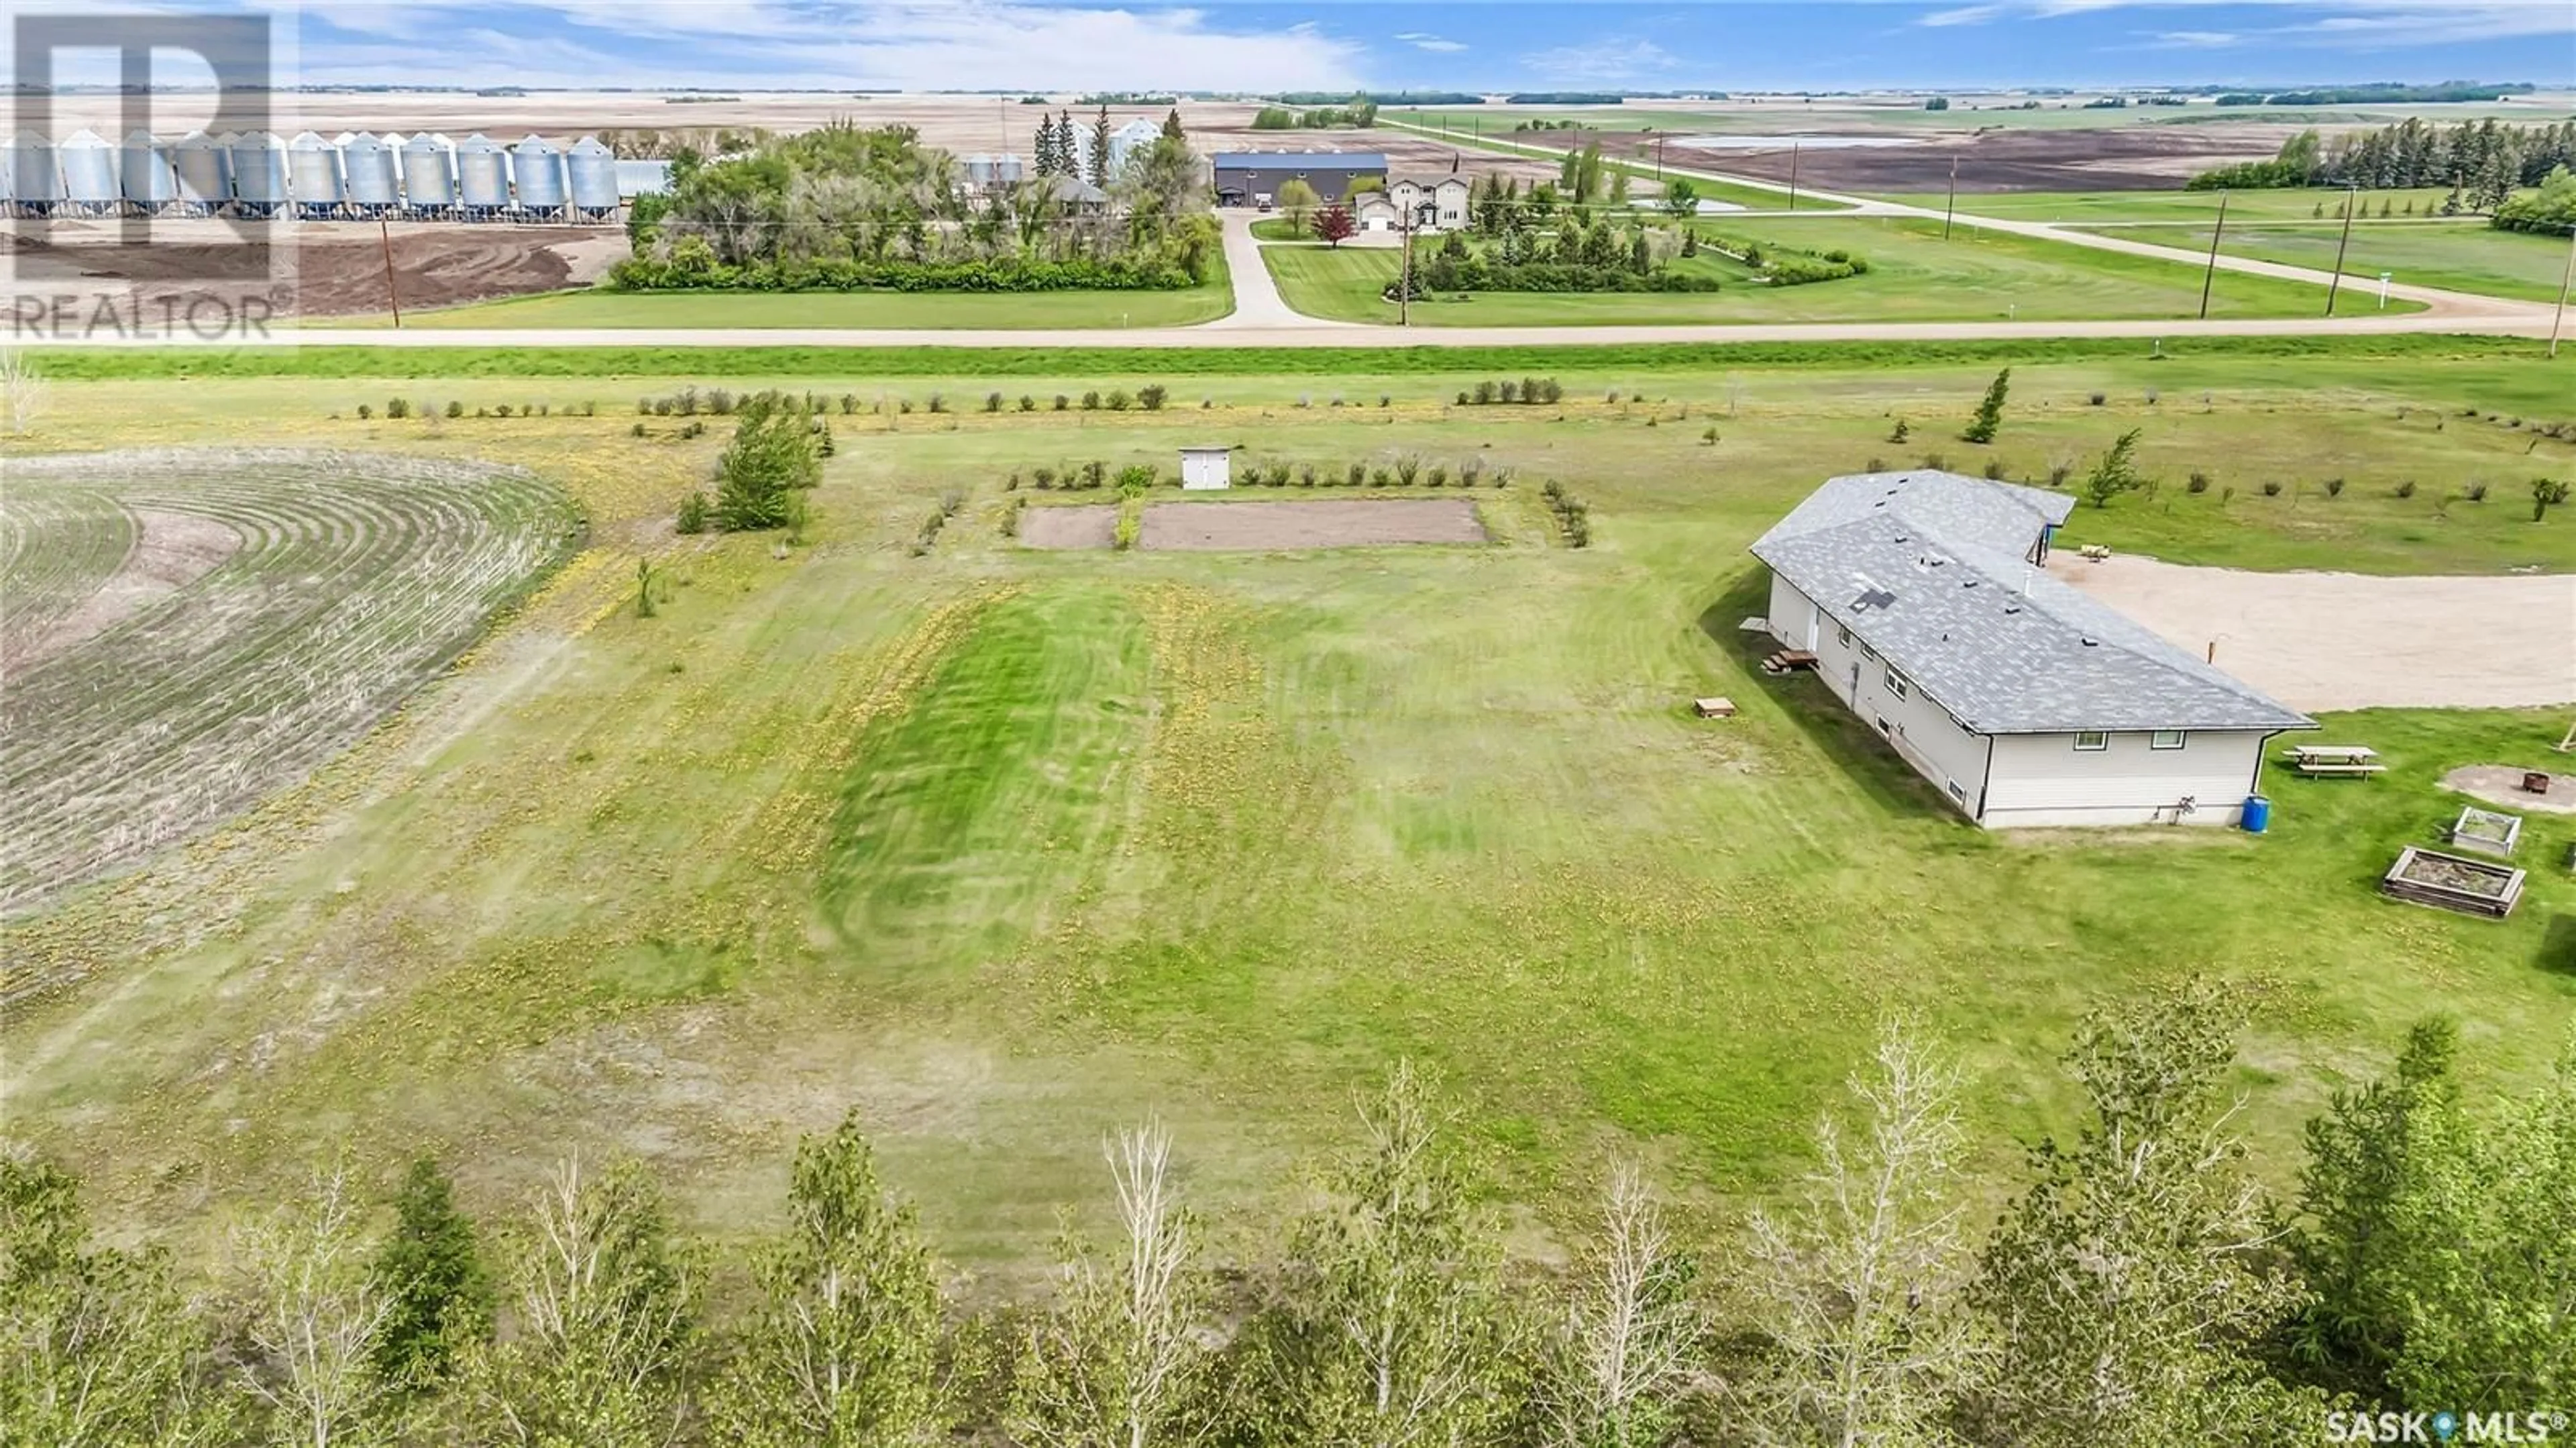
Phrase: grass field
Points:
(600, 307)
(1006, 847)
(1552, 145)
(2465, 256)
(2083, 208)
(1914, 276)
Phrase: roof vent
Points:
(1967, 583)
(2012, 608)
(2092, 643)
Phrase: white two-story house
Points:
(2024, 701)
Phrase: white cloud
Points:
(1421, 40)
(827, 44)
(1614, 58)
(1964, 15)
(2354, 23)
(2195, 39)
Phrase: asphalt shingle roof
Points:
(1931, 570)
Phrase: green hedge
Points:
(639, 274)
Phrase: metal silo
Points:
(149, 184)
(259, 174)
(89, 174)
(199, 160)
(591, 169)
(482, 177)
(1009, 170)
(313, 176)
(979, 172)
(367, 175)
(428, 176)
(538, 167)
(36, 181)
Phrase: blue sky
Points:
(1565, 44)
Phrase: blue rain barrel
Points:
(2258, 814)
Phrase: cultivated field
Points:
(1004, 846)
(190, 630)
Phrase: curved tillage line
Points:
(358, 575)
(56, 549)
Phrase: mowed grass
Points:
(1006, 848)
(2464, 256)
(1914, 276)
(605, 307)
(2083, 208)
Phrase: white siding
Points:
(2043, 779)
(1920, 731)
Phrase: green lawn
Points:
(2466, 256)
(1552, 145)
(599, 307)
(2080, 208)
(1914, 276)
(1006, 848)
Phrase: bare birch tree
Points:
(1119, 1362)
(312, 1311)
(23, 389)
(1853, 1284)
(1626, 1351)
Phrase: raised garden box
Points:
(2453, 882)
(2486, 831)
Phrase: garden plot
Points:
(191, 629)
(1256, 526)
(1091, 525)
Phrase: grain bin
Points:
(537, 165)
(482, 177)
(35, 181)
(979, 173)
(428, 176)
(367, 171)
(1009, 170)
(313, 176)
(145, 176)
(591, 169)
(259, 174)
(88, 165)
(203, 167)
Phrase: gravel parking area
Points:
(2348, 641)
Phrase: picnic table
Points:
(2335, 760)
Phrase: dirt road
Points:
(2347, 641)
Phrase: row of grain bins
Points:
(355, 176)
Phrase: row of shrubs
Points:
(1479, 274)
(1403, 472)
(2198, 483)
(1571, 514)
(949, 502)
(1789, 266)
(1149, 398)
(402, 407)
(645, 274)
(1529, 390)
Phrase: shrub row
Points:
(1529, 390)
(697, 273)
(1571, 514)
(403, 407)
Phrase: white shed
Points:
(1207, 467)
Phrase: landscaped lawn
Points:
(2082, 208)
(1005, 849)
(2464, 255)
(1914, 276)
(601, 307)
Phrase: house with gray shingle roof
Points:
(1924, 599)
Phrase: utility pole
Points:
(2211, 276)
(1951, 209)
(2560, 315)
(1793, 175)
(384, 235)
(1404, 286)
(2351, 203)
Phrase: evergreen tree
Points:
(1172, 126)
(2127, 1286)
(431, 1272)
(1990, 412)
(1100, 149)
(842, 1349)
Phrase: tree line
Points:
(2482, 162)
(2137, 1286)
(845, 206)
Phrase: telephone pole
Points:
(2351, 203)
(2211, 275)
(1951, 208)
(1793, 175)
(1404, 285)
(384, 236)
(2569, 280)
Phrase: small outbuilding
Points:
(1204, 468)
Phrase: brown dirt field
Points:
(337, 269)
(1260, 526)
(1091, 525)
(171, 551)
(2135, 157)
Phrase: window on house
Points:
(2090, 739)
(1898, 684)
(1844, 635)
(2165, 739)
(1957, 793)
